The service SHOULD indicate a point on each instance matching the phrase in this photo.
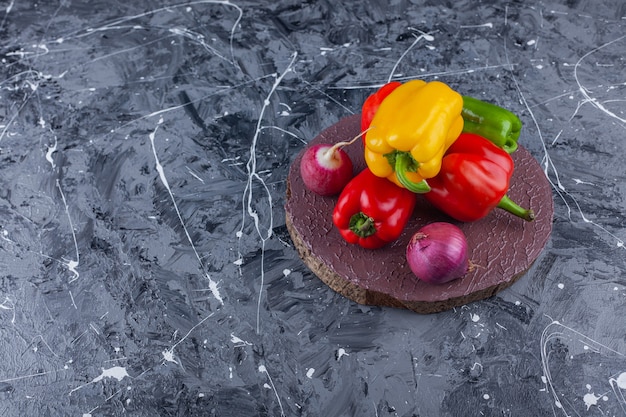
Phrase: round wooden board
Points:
(502, 246)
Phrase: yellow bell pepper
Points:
(410, 132)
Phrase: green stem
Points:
(405, 163)
(362, 225)
(512, 207)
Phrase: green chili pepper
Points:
(492, 122)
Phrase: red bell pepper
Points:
(372, 103)
(372, 211)
(473, 180)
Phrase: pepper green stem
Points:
(405, 163)
(512, 207)
(362, 225)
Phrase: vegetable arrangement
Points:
(421, 140)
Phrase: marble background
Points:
(145, 267)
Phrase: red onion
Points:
(437, 253)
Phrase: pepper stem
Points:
(512, 207)
(362, 225)
(405, 163)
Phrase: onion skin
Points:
(437, 253)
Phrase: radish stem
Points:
(331, 151)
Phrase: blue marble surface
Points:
(145, 267)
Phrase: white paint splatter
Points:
(116, 372)
(579, 181)
(484, 25)
(8, 304)
(590, 399)
(212, 284)
(620, 381)
(248, 201)
(238, 342)
(557, 331)
(477, 365)
(263, 370)
(585, 91)
(71, 264)
(422, 35)
(168, 354)
(341, 352)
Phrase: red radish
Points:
(438, 253)
(326, 169)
